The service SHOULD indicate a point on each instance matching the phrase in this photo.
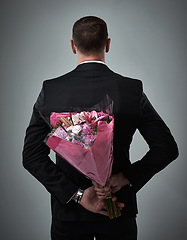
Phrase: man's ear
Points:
(108, 45)
(73, 46)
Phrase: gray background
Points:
(148, 42)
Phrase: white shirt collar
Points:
(92, 62)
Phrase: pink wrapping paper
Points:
(94, 162)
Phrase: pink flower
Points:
(92, 118)
(60, 133)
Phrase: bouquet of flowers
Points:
(85, 140)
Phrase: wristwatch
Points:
(79, 195)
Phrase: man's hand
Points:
(114, 184)
(92, 203)
(117, 181)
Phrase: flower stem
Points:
(112, 209)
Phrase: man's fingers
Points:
(102, 192)
(120, 205)
(99, 194)
(99, 187)
(102, 196)
(96, 184)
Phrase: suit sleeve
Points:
(162, 146)
(36, 157)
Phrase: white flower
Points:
(74, 129)
(77, 118)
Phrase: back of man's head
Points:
(90, 35)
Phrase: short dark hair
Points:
(90, 34)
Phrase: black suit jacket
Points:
(84, 87)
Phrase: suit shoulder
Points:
(57, 80)
(128, 81)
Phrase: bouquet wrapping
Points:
(85, 140)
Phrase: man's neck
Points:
(84, 58)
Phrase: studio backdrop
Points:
(149, 43)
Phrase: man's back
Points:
(82, 88)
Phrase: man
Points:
(84, 87)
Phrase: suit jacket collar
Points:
(92, 66)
